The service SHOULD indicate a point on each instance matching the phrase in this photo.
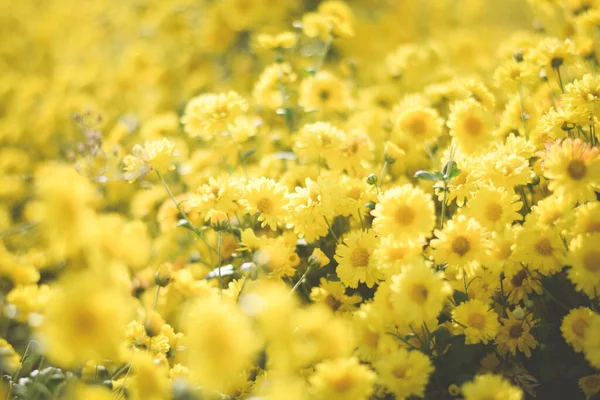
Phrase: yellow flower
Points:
(11, 360)
(333, 295)
(339, 16)
(584, 256)
(267, 198)
(222, 343)
(461, 245)
(587, 219)
(573, 168)
(575, 325)
(514, 334)
(355, 259)
(209, 114)
(149, 380)
(471, 126)
(420, 124)
(418, 293)
(494, 208)
(476, 321)
(590, 385)
(29, 299)
(155, 155)
(283, 40)
(342, 379)
(540, 249)
(404, 373)
(591, 341)
(584, 95)
(85, 320)
(518, 285)
(324, 92)
(405, 212)
(493, 387)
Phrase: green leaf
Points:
(248, 154)
(459, 297)
(428, 176)
(442, 338)
(450, 170)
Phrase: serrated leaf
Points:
(428, 176)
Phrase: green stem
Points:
(330, 229)
(239, 151)
(297, 285)
(219, 242)
(382, 175)
(156, 298)
(444, 200)
(362, 226)
(560, 81)
(523, 115)
(324, 52)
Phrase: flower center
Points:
(515, 331)
(579, 327)
(461, 245)
(359, 257)
(371, 338)
(419, 293)
(264, 205)
(591, 261)
(416, 126)
(493, 212)
(332, 302)
(341, 383)
(518, 279)
(543, 247)
(476, 320)
(399, 371)
(324, 95)
(473, 126)
(404, 215)
(576, 169)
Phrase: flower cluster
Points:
(258, 199)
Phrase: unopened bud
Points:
(163, 276)
(154, 324)
(372, 179)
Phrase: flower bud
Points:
(163, 276)
(372, 179)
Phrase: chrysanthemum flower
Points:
(404, 373)
(471, 126)
(540, 249)
(591, 341)
(575, 325)
(209, 114)
(573, 168)
(584, 256)
(476, 321)
(355, 259)
(514, 334)
(405, 212)
(324, 92)
(494, 208)
(342, 379)
(492, 387)
(267, 198)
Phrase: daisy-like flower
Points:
(575, 325)
(461, 245)
(153, 155)
(355, 259)
(518, 285)
(471, 126)
(491, 387)
(514, 334)
(590, 385)
(311, 208)
(494, 208)
(370, 334)
(584, 95)
(540, 249)
(476, 321)
(209, 114)
(342, 379)
(324, 91)
(584, 255)
(403, 372)
(405, 212)
(267, 198)
(501, 255)
(586, 219)
(573, 168)
(333, 295)
(420, 124)
(418, 293)
(591, 341)
(392, 254)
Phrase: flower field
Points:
(299, 200)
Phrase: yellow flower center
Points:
(264, 205)
(341, 382)
(591, 261)
(359, 257)
(416, 126)
(515, 331)
(543, 247)
(592, 227)
(473, 126)
(576, 169)
(419, 293)
(476, 320)
(461, 245)
(355, 193)
(399, 371)
(503, 251)
(493, 212)
(404, 215)
(371, 338)
(579, 326)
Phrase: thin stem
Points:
(444, 200)
(219, 242)
(321, 59)
(362, 226)
(237, 299)
(18, 371)
(382, 175)
(523, 115)
(239, 151)
(330, 229)
(524, 196)
(551, 93)
(156, 298)
(297, 285)
(560, 81)
(197, 231)
(502, 297)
